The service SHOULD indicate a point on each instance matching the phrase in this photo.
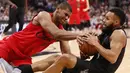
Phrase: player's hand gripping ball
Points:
(87, 49)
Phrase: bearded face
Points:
(108, 19)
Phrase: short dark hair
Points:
(65, 5)
(120, 13)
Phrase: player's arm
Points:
(44, 20)
(87, 6)
(64, 46)
(118, 41)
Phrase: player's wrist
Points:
(97, 45)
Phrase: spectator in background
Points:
(16, 13)
(40, 4)
(3, 11)
(5, 14)
(112, 3)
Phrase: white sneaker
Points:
(7, 68)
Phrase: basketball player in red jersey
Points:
(74, 20)
(83, 11)
(43, 30)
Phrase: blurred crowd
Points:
(34, 6)
(96, 11)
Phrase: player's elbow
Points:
(56, 36)
(113, 59)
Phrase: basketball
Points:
(88, 49)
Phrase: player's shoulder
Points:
(119, 34)
(43, 14)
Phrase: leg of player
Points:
(44, 64)
(38, 66)
(66, 60)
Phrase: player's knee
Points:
(65, 58)
(68, 60)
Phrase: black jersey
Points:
(99, 61)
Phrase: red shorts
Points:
(11, 57)
(4, 51)
(84, 16)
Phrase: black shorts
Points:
(26, 68)
(82, 66)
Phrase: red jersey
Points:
(74, 18)
(83, 15)
(73, 4)
(29, 41)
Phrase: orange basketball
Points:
(88, 49)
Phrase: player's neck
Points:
(53, 20)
